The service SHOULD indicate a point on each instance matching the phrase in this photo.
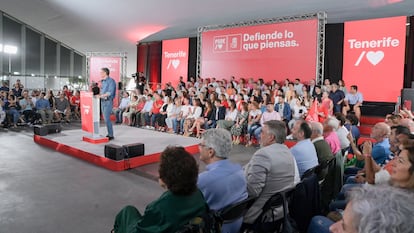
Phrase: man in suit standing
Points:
(107, 97)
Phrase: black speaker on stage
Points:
(120, 85)
(44, 130)
(114, 152)
(54, 128)
(40, 130)
(134, 150)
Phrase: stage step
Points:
(371, 120)
(365, 129)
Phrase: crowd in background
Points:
(20, 107)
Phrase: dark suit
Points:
(217, 114)
(287, 113)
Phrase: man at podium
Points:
(107, 96)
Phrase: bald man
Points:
(381, 149)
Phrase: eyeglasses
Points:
(202, 145)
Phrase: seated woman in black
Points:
(181, 202)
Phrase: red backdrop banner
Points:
(273, 51)
(174, 60)
(114, 66)
(374, 57)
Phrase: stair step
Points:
(371, 120)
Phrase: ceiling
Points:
(117, 25)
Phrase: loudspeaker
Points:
(44, 130)
(54, 128)
(119, 85)
(134, 150)
(114, 152)
(40, 130)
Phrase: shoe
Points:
(110, 137)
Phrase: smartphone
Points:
(407, 104)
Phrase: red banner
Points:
(86, 111)
(114, 66)
(374, 57)
(273, 51)
(174, 60)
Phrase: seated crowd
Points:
(18, 106)
(238, 106)
(323, 121)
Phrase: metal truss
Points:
(322, 19)
(123, 56)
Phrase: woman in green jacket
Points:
(181, 202)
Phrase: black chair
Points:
(267, 222)
(208, 222)
(305, 202)
(322, 171)
(310, 171)
(234, 211)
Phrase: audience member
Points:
(223, 183)
(323, 151)
(181, 201)
(373, 209)
(122, 107)
(271, 169)
(329, 133)
(62, 108)
(303, 151)
(43, 108)
(353, 101)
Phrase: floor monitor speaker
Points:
(114, 152)
(134, 150)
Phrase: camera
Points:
(134, 75)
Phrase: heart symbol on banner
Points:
(375, 57)
(175, 63)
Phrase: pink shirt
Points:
(333, 141)
(267, 116)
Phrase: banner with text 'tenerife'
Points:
(174, 60)
(374, 52)
(272, 51)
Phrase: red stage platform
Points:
(70, 142)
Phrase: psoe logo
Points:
(220, 44)
(235, 42)
(86, 109)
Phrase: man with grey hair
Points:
(223, 183)
(373, 209)
(329, 133)
(323, 151)
(271, 169)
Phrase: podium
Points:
(90, 112)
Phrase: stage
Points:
(70, 142)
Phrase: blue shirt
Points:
(380, 151)
(305, 154)
(354, 98)
(42, 104)
(109, 86)
(147, 106)
(223, 183)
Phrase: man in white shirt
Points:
(122, 106)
